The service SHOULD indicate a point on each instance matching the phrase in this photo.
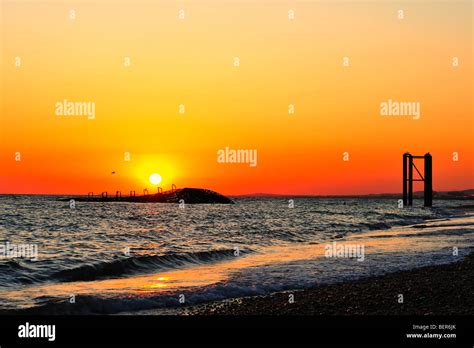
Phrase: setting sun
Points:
(155, 179)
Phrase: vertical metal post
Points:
(410, 180)
(428, 194)
(405, 163)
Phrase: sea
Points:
(116, 257)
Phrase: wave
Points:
(389, 220)
(232, 289)
(99, 305)
(141, 264)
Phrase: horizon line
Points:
(257, 194)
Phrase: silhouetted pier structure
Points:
(104, 196)
(408, 165)
(175, 195)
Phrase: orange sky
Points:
(190, 61)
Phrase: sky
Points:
(168, 94)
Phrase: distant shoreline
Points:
(467, 194)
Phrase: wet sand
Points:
(433, 290)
